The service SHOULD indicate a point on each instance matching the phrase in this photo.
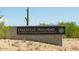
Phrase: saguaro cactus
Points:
(27, 18)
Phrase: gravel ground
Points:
(24, 45)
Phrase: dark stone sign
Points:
(40, 30)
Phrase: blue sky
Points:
(48, 15)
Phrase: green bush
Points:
(71, 29)
(3, 30)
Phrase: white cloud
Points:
(2, 19)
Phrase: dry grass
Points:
(24, 45)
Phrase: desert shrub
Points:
(71, 29)
(3, 30)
